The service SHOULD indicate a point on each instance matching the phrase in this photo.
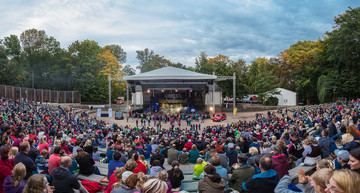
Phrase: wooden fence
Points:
(39, 95)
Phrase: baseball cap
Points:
(343, 154)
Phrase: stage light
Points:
(176, 90)
(148, 91)
(162, 90)
(211, 109)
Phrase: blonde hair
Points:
(19, 173)
(154, 186)
(347, 180)
(321, 176)
(13, 151)
(253, 151)
(35, 184)
(347, 137)
(57, 142)
(163, 175)
(324, 163)
(87, 143)
(43, 139)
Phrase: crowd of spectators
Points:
(43, 146)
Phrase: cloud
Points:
(178, 30)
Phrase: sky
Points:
(179, 30)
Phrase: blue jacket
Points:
(113, 164)
(263, 182)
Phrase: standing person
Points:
(242, 173)
(266, 181)
(173, 154)
(280, 162)
(212, 181)
(175, 175)
(25, 159)
(15, 183)
(5, 166)
(54, 160)
(63, 180)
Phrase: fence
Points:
(39, 95)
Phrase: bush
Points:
(271, 101)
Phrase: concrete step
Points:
(191, 186)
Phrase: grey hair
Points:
(154, 186)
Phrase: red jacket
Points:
(6, 170)
(54, 162)
(280, 164)
(91, 187)
(188, 146)
(140, 168)
(112, 181)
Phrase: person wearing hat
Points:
(342, 159)
(354, 159)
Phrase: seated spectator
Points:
(242, 173)
(86, 163)
(212, 181)
(62, 179)
(157, 156)
(312, 152)
(344, 181)
(37, 183)
(283, 146)
(324, 163)
(54, 160)
(266, 181)
(129, 186)
(175, 176)
(198, 169)
(140, 166)
(154, 185)
(194, 154)
(115, 163)
(147, 152)
(5, 165)
(317, 184)
(254, 154)
(266, 149)
(347, 140)
(15, 183)
(184, 157)
(295, 147)
(96, 154)
(219, 147)
(342, 159)
(231, 154)
(88, 147)
(155, 168)
(224, 159)
(173, 154)
(42, 163)
(279, 162)
(13, 152)
(354, 160)
(115, 180)
(324, 143)
(33, 153)
(255, 143)
(216, 162)
(188, 145)
(163, 175)
(143, 161)
(25, 159)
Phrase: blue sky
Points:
(178, 30)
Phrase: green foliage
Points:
(271, 101)
(149, 61)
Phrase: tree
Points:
(202, 64)
(341, 58)
(149, 61)
(260, 76)
(117, 51)
(128, 70)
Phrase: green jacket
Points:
(240, 175)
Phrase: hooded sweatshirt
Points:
(155, 170)
(280, 164)
(64, 181)
(206, 185)
(10, 188)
